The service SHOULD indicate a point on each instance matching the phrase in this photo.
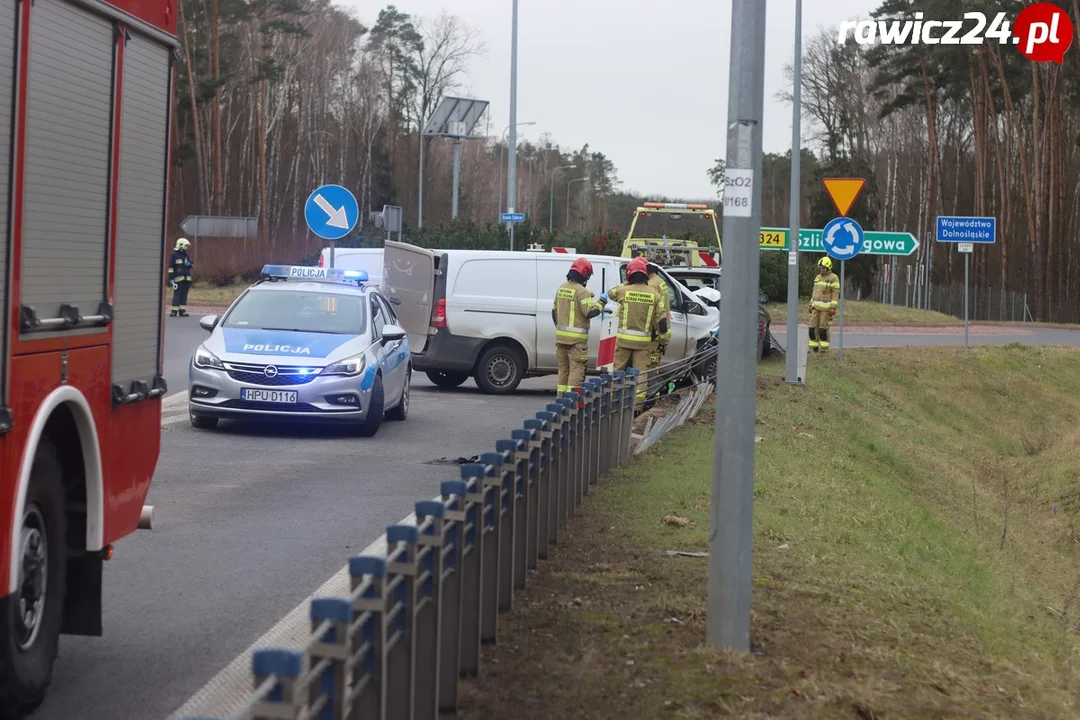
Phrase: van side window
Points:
(673, 295)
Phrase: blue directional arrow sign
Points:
(842, 238)
(331, 212)
(512, 217)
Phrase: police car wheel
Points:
(374, 418)
(499, 370)
(447, 380)
(401, 411)
(202, 422)
(30, 618)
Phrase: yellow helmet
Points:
(182, 244)
(825, 262)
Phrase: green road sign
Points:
(876, 243)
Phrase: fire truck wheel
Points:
(30, 618)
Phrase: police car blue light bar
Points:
(301, 272)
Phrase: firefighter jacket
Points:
(640, 316)
(573, 307)
(826, 292)
(180, 266)
(657, 283)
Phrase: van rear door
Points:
(408, 280)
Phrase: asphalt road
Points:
(249, 520)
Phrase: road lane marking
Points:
(227, 693)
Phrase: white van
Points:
(370, 260)
(487, 314)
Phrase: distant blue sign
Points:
(967, 229)
(512, 217)
(842, 238)
(331, 212)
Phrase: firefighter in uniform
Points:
(823, 304)
(574, 306)
(180, 277)
(641, 321)
(659, 345)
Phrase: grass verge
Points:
(869, 313)
(203, 293)
(917, 524)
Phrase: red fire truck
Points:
(85, 101)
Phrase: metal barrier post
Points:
(527, 465)
(401, 620)
(367, 579)
(611, 422)
(566, 458)
(453, 497)
(577, 437)
(559, 438)
(599, 407)
(588, 398)
(330, 618)
(620, 418)
(490, 519)
(629, 398)
(473, 572)
(281, 668)
(502, 472)
(548, 478)
(534, 457)
(429, 610)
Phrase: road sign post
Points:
(842, 192)
(331, 213)
(966, 231)
(731, 538)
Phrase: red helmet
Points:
(637, 265)
(582, 267)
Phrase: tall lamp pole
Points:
(502, 154)
(580, 179)
(791, 369)
(511, 169)
(551, 197)
(731, 534)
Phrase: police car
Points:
(303, 344)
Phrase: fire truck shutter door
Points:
(7, 72)
(140, 238)
(66, 182)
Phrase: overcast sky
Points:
(642, 81)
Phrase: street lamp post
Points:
(551, 197)
(580, 179)
(502, 153)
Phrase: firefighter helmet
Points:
(182, 244)
(582, 267)
(636, 266)
(825, 262)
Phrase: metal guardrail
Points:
(417, 616)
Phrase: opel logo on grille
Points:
(270, 371)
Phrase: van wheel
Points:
(761, 347)
(767, 350)
(500, 370)
(447, 380)
(30, 617)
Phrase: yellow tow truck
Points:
(681, 229)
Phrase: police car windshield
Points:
(300, 311)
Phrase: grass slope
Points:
(203, 293)
(916, 555)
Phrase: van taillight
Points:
(322, 261)
(438, 317)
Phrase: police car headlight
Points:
(207, 360)
(350, 366)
